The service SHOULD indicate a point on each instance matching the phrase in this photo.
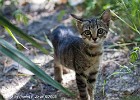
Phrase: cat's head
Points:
(94, 31)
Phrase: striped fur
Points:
(81, 54)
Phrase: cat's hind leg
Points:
(58, 72)
(65, 70)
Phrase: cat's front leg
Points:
(82, 87)
(91, 91)
(91, 84)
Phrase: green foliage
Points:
(1, 2)
(126, 16)
(89, 6)
(131, 12)
(16, 55)
(94, 7)
(130, 26)
(134, 54)
(20, 17)
(128, 11)
(11, 34)
(15, 2)
(18, 14)
(61, 15)
(1, 97)
(131, 98)
(122, 71)
(103, 88)
(20, 33)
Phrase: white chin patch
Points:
(93, 43)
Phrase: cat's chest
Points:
(92, 64)
(92, 61)
(89, 61)
(92, 55)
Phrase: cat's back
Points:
(62, 36)
(59, 33)
(66, 45)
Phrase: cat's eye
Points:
(87, 32)
(100, 31)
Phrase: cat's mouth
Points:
(94, 43)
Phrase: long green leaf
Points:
(1, 97)
(125, 22)
(11, 34)
(16, 55)
(20, 33)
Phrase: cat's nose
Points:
(94, 39)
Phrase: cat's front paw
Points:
(66, 70)
(59, 80)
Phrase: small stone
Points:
(116, 54)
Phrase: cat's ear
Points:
(106, 16)
(79, 22)
(77, 18)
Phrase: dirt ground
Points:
(17, 83)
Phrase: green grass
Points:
(131, 98)
(10, 51)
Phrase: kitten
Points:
(81, 54)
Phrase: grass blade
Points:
(17, 56)
(20, 33)
(125, 22)
(11, 34)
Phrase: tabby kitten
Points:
(82, 54)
